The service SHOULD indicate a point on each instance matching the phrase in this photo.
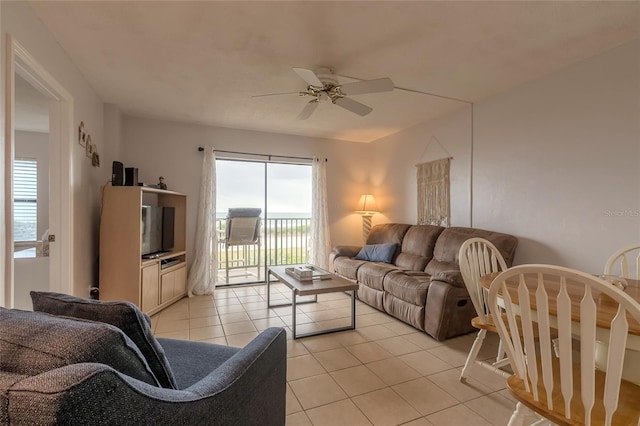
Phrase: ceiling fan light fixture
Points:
(323, 84)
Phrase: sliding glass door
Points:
(282, 192)
(288, 223)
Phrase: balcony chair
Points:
(565, 387)
(242, 229)
(618, 263)
(478, 257)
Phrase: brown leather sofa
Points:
(422, 285)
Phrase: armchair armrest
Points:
(249, 388)
(347, 251)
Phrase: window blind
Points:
(25, 200)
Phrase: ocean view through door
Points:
(282, 192)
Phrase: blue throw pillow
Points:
(378, 252)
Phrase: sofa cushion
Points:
(371, 297)
(404, 311)
(417, 247)
(408, 286)
(453, 277)
(347, 267)
(387, 233)
(203, 359)
(372, 274)
(32, 343)
(378, 252)
(124, 315)
(445, 253)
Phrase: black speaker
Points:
(117, 174)
(131, 176)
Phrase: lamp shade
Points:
(367, 205)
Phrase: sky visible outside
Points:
(241, 184)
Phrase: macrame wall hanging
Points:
(434, 201)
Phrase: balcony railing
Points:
(283, 241)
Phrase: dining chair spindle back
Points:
(618, 263)
(564, 386)
(479, 257)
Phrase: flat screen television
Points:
(157, 230)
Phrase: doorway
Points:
(30, 193)
(38, 170)
(282, 192)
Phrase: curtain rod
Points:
(201, 149)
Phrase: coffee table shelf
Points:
(311, 288)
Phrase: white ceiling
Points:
(202, 61)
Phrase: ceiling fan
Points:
(323, 85)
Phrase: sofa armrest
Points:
(249, 388)
(451, 277)
(347, 251)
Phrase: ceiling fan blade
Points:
(276, 94)
(367, 86)
(308, 109)
(309, 76)
(353, 106)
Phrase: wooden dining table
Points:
(606, 307)
(606, 311)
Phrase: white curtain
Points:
(320, 244)
(204, 269)
(433, 193)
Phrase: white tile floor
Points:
(383, 373)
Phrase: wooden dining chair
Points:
(565, 389)
(618, 263)
(479, 257)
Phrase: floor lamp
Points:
(367, 207)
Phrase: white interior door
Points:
(30, 192)
(38, 170)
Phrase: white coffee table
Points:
(311, 288)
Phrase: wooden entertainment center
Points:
(152, 284)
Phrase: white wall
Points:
(35, 145)
(393, 169)
(112, 136)
(19, 20)
(170, 149)
(557, 162)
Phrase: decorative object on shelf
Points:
(82, 135)
(367, 207)
(161, 184)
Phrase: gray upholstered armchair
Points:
(60, 370)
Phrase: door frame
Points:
(61, 139)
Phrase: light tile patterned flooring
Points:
(383, 373)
